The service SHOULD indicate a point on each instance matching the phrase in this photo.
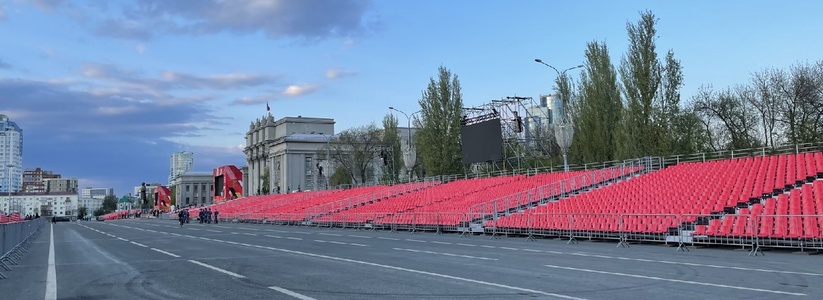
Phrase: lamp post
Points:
(565, 130)
(409, 154)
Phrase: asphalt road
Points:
(156, 259)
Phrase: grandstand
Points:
(764, 200)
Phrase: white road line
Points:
(359, 245)
(438, 242)
(294, 238)
(413, 240)
(139, 244)
(216, 231)
(122, 239)
(274, 236)
(111, 235)
(339, 243)
(217, 269)
(51, 274)
(360, 236)
(255, 229)
(446, 254)
(690, 264)
(251, 234)
(290, 293)
(387, 238)
(532, 250)
(166, 253)
(320, 241)
(676, 280)
(467, 245)
(193, 229)
(487, 246)
(331, 234)
(235, 233)
(509, 248)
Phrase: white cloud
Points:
(141, 48)
(114, 111)
(335, 74)
(296, 90)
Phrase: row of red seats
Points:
(11, 218)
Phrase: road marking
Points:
(498, 285)
(509, 248)
(438, 242)
(532, 250)
(51, 274)
(235, 233)
(274, 236)
(359, 245)
(251, 234)
(339, 243)
(216, 231)
(413, 240)
(487, 246)
(331, 234)
(290, 293)
(217, 269)
(139, 244)
(122, 239)
(689, 264)
(360, 236)
(446, 254)
(166, 253)
(294, 238)
(111, 235)
(387, 238)
(467, 245)
(194, 229)
(676, 280)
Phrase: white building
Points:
(56, 204)
(96, 193)
(180, 163)
(91, 204)
(11, 156)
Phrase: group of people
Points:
(207, 215)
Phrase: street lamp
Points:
(564, 131)
(409, 153)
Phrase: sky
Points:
(106, 91)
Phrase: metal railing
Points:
(15, 240)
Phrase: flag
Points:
(267, 106)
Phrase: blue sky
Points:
(106, 90)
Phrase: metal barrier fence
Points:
(749, 231)
(15, 239)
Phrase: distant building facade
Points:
(288, 148)
(34, 180)
(91, 204)
(61, 185)
(194, 189)
(180, 163)
(96, 193)
(46, 204)
(11, 156)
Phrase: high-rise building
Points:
(181, 162)
(61, 185)
(96, 193)
(34, 180)
(11, 156)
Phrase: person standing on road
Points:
(215, 216)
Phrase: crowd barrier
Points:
(804, 232)
(15, 239)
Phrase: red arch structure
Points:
(228, 183)
(162, 198)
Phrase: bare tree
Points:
(355, 150)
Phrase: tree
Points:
(173, 196)
(340, 177)
(355, 149)
(598, 109)
(109, 204)
(391, 154)
(438, 137)
(82, 212)
(99, 212)
(264, 186)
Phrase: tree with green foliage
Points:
(341, 176)
(438, 136)
(264, 186)
(173, 190)
(392, 152)
(598, 110)
(109, 204)
(355, 150)
(99, 212)
(82, 212)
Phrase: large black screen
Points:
(482, 142)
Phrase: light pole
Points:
(565, 130)
(409, 155)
